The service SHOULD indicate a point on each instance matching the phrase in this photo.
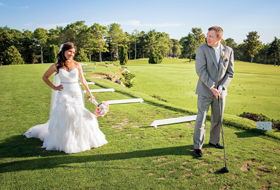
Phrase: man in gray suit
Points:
(214, 67)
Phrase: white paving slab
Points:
(135, 100)
(173, 120)
(89, 83)
(101, 90)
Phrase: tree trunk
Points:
(251, 59)
(274, 62)
(100, 57)
(42, 55)
(190, 57)
(135, 49)
(129, 53)
(89, 58)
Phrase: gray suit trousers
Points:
(203, 104)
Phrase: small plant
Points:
(128, 78)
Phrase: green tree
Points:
(223, 41)
(199, 36)
(274, 50)
(115, 37)
(52, 53)
(41, 37)
(71, 31)
(190, 45)
(135, 35)
(123, 55)
(231, 43)
(12, 56)
(252, 44)
(98, 34)
(176, 47)
(28, 47)
(53, 37)
(155, 56)
(82, 56)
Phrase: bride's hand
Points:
(91, 97)
(59, 88)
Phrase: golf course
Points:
(139, 156)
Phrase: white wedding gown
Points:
(71, 127)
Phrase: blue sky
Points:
(175, 17)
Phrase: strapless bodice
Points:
(68, 77)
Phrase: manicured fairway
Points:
(137, 156)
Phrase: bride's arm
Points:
(46, 76)
(83, 81)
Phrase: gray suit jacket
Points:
(212, 73)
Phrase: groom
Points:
(214, 67)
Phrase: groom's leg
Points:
(199, 129)
(215, 130)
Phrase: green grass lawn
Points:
(137, 156)
(254, 88)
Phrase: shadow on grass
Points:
(246, 134)
(18, 146)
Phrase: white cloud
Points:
(1, 4)
(25, 7)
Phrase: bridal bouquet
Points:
(101, 109)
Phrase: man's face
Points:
(212, 39)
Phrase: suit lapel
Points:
(213, 56)
(223, 50)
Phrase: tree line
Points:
(110, 42)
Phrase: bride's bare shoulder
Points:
(78, 65)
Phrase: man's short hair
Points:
(219, 31)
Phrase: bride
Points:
(71, 127)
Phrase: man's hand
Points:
(215, 92)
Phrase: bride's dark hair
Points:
(61, 59)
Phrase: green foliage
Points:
(52, 53)
(261, 117)
(12, 56)
(252, 44)
(82, 56)
(190, 45)
(128, 79)
(155, 56)
(274, 50)
(123, 55)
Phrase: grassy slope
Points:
(136, 157)
(254, 88)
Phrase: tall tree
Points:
(115, 37)
(123, 55)
(176, 47)
(199, 36)
(99, 33)
(12, 56)
(274, 50)
(135, 35)
(28, 47)
(41, 37)
(252, 44)
(231, 43)
(71, 32)
(190, 45)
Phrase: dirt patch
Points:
(159, 159)
(189, 125)
(196, 185)
(98, 75)
(177, 137)
(186, 175)
(262, 166)
(225, 187)
(211, 169)
(233, 177)
(245, 167)
(266, 148)
(161, 178)
(205, 174)
(184, 163)
(265, 186)
(170, 172)
(135, 126)
(199, 165)
(166, 163)
(129, 134)
(256, 180)
(138, 137)
(150, 174)
(207, 154)
(277, 150)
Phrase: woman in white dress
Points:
(71, 127)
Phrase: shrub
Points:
(155, 56)
(123, 55)
(12, 56)
(128, 79)
(82, 56)
(52, 53)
